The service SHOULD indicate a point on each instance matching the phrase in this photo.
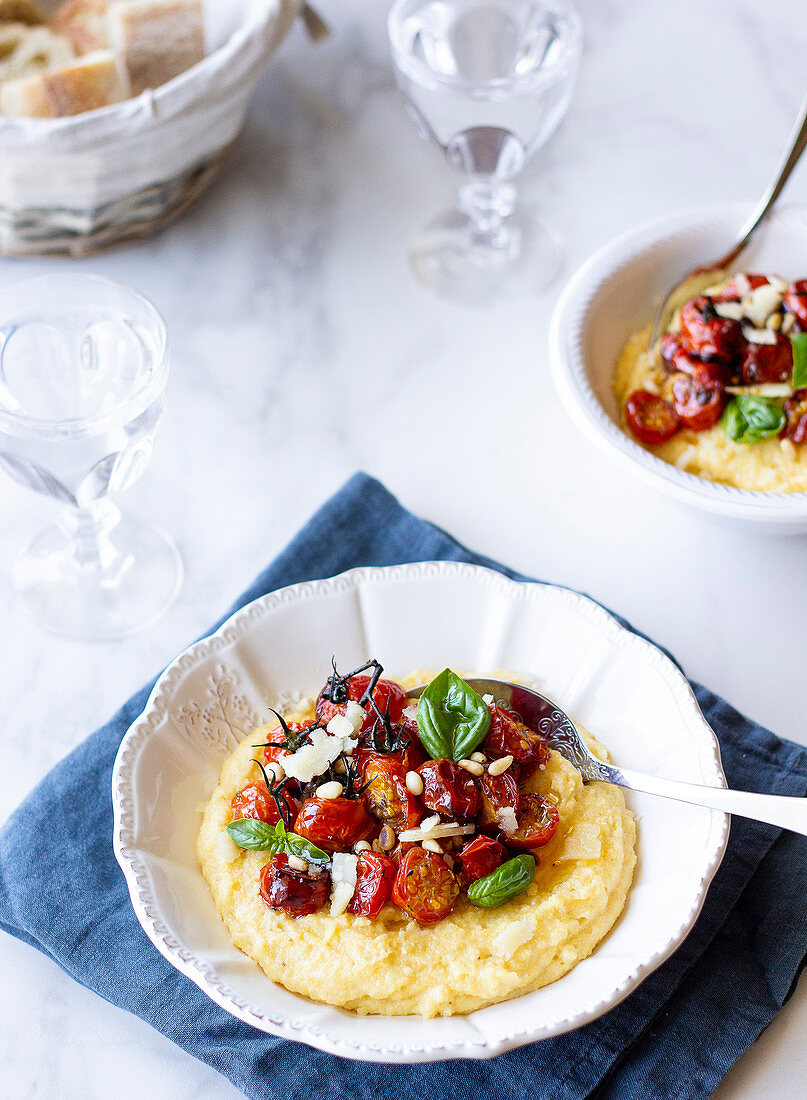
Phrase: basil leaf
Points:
(451, 718)
(505, 883)
(799, 342)
(258, 836)
(750, 419)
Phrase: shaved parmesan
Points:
(487, 700)
(512, 937)
(742, 283)
(759, 335)
(732, 310)
(411, 712)
(583, 842)
(340, 726)
(507, 820)
(314, 759)
(761, 302)
(425, 831)
(764, 389)
(343, 877)
(355, 715)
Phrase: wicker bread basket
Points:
(74, 185)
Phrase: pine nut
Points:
(361, 846)
(387, 838)
(787, 323)
(479, 757)
(276, 770)
(433, 846)
(297, 864)
(329, 790)
(774, 322)
(471, 766)
(499, 767)
(414, 783)
(376, 846)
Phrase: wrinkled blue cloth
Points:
(675, 1036)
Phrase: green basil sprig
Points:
(451, 718)
(258, 836)
(505, 883)
(750, 419)
(799, 342)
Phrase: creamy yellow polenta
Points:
(766, 467)
(475, 957)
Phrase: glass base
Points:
(131, 582)
(450, 258)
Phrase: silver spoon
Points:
(546, 718)
(701, 277)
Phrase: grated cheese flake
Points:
(731, 310)
(508, 820)
(759, 335)
(343, 877)
(761, 302)
(355, 715)
(439, 829)
(312, 760)
(511, 938)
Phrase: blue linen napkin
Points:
(674, 1037)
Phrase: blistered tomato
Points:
(334, 824)
(537, 823)
(375, 874)
(651, 419)
(297, 893)
(425, 887)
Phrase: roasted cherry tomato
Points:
(708, 334)
(537, 823)
(699, 399)
(669, 346)
(795, 299)
(424, 886)
(498, 792)
(731, 293)
(276, 737)
(508, 736)
(768, 362)
(795, 407)
(385, 694)
(256, 801)
(387, 796)
(651, 419)
(334, 824)
(449, 789)
(294, 892)
(478, 858)
(375, 874)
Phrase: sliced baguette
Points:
(84, 23)
(21, 11)
(26, 50)
(156, 39)
(89, 82)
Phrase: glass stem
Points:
(89, 531)
(488, 204)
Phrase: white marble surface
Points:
(302, 350)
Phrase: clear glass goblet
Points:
(488, 82)
(83, 367)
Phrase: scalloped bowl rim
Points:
(569, 373)
(128, 855)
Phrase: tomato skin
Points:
(385, 692)
(537, 823)
(795, 407)
(651, 419)
(256, 801)
(375, 874)
(730, 293)
(387, 796)
(478, 858)
(509, 737)
(708, 334)
(498, 792)
(795, 300)
(449, 789)
(768, 362)
(334, 824)
(425, 887)
(296, 893)
(699, 399)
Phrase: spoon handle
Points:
(783, 810)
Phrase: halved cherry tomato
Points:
(375, 874)
(256, 801)
(731, 293)
(768, 362)
(386, 693)
(498, 792)
(478, 858)
(537, 823)
(795, 407)
(387, 795)
(708, 334)
(425, 887)
(297, 893)
(449, 789)
(508, 736)
(795, 299)
(334, 824)
(651, 419)
(699, 399)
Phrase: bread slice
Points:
(20, 11)
(156, 39)
(84, 23)
(26, 50)
(89, 82)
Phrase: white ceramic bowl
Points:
(427, 615)
(616, 292)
